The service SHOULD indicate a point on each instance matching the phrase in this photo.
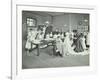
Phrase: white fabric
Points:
(55, 36)
(67, 46)
(44, 28)
(68, 50)
(88, 39)
(30, 38)
(59, 45)
(83, 43)
(51, 35)
(47, 36)
(28, 44)
(62, 36)
(40, 37)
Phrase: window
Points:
(31, 22)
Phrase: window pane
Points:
(31, 22)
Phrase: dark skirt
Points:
(79, 47)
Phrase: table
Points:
(45, 42)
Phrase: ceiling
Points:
(43, 13)
(46, 13)
(55, 13)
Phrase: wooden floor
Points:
(47, 60)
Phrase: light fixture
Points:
(47, 22)
(65, 25)
(85, 20)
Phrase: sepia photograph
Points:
(55, 39)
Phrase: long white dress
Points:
(67, 46)
(83, 43)
(88, 39)
(30, 38)
(28, 42)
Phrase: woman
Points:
(28, 42)
(88, 40)
(67, 45)
(28, 45)
(80, 43)
(83, 42)
(59, 46)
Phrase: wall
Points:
(76, 18)
(64, 22)
(61, 22)
(69, 21)
(40, 19)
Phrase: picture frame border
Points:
(14, 70)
